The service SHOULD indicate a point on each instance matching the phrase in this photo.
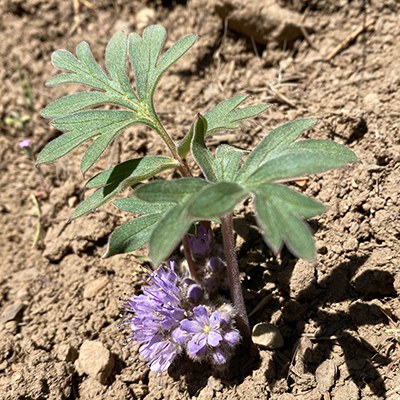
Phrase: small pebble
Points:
(267, 336)
(95, 287)
(95, 360)
(11, 312)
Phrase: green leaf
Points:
(96, 149)
(227, 162)
(175, 191)
(277, 141)
(82, 126)
(144, 54)
(136, 206)
(95, 200)
(112, 181)
(216, 200)
(109, 87)
(132, 171)
(86, 71)
(292, 201)
(131, 235)
(302, 158)
(279, 226)
(168, 233)
(75, 102)
(200, 152)
(224, 116)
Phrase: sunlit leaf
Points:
(112, 181)
(303, 158)
(276, 142)
(227, 162)
(175, 191)
(224, 116)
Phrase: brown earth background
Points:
(339, 318)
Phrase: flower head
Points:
(200, 244)
(209, 334)
(156, 313)
(25, 144)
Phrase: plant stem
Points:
(183, 168)
(234, 278)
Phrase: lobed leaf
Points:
(95, 200)
(292, 201)
(277, 141)
(279, 225)
(200, 152)
(302, 158)
(112, 181)
(83, 125)
(216, 199)
(224, 116)
(227, 162)
(132, 171)
(175, 191)
(144, 55)
(168, 233)
(136, 206)
(110, 87)
(131, 235)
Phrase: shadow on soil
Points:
(339, 327)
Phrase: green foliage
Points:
(280, 211)
(224, 116)
(134, 234)
(176, 222)
(115, 179)
(166, 209)
(78, 124)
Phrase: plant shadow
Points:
(341, 327)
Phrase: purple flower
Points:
(209, 335)
(25, 144)
(200, 244)
(156, 313)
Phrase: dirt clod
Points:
(95, 360)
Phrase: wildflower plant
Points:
(183, 310)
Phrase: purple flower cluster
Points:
(167, 319)
(208, 334)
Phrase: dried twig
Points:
(346, 41)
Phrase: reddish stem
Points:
(234, 279)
